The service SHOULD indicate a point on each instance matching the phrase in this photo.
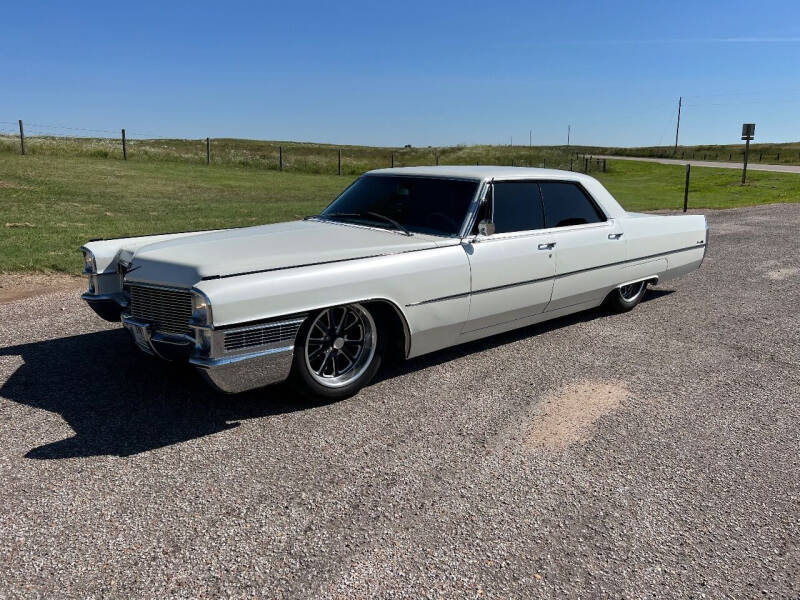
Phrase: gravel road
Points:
(751, 166)
(651, 454)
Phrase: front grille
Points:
(270, 333)
(167, 309)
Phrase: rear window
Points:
(567, 204)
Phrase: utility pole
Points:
(569, 127)
(678, 126)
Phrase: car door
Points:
(512, 270)
(589, 250)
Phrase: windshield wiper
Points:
(362, 214)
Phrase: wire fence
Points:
(58, 140)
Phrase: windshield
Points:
(415, 204)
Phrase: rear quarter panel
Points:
(669, 245)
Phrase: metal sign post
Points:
(748, 133)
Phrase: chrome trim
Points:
(118, 298)
(321, 219)
(168, 309)
(234, 374)
(653, 278)
(705, 243)
(558, 276)
(291, 328)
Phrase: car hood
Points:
(187, 259)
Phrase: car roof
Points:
(482, 172)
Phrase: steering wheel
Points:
(450, 224)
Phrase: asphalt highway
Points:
(650, 454)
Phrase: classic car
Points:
(405, 261)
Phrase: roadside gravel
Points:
(651, 454)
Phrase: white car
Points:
(405, 261)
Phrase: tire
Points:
(338, 351)
(625, 298)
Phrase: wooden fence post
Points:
(437, 159)
(208, 151)
(393, 160)
(340, 161)
(686, 188)
(570, 164)
(605, 166)
(777, 158)
(124, 148)
(280, 158)
(21, 138)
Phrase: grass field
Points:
(50, 205)
(323, 158)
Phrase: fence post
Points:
(124, 149)
(21, 137)
(686, 188)
(777, 158)
(746, 156)
(605, 166)
(393, 160)
(340, 161)
(437, 159)
(570, 164)
(208, 151)
(585, 164)
(280, 158)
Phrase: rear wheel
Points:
(624, 298)
(337, 352)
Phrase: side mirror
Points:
(486, 227)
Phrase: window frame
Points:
(488, 185)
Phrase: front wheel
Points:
(337, 352)
(624, 298)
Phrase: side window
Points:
(517, 206)
(567, 204)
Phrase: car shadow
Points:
(121, 402)
(442, 356)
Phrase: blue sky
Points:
(391, 73)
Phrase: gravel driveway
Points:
(651, 454)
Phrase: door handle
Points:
(614, 236)
(548, 246)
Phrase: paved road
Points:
(652, 454)
(710, 163)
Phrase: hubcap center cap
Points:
(338, 343)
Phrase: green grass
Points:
(50, 205)
(323, 158)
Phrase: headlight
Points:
(201, 308)
(89, 264)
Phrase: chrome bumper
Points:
(242, 372)
(232, 360)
